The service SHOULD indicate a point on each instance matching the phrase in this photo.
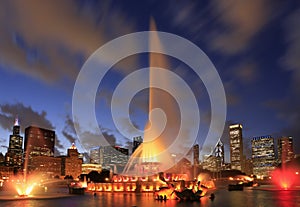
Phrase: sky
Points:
(254, 46)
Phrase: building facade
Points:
(47, 167)
(219, 152)
(14, 155)
(196, 155)
(136, 142)
(71, 164)
(114, 157)
(285, 149)
(263, 155)
(236, 146)
(38, 142)
(95, 155)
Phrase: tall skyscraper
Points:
(196, 154)
(38, 142)
(14, 155)
(285, 149)
(236, 146)
(219, 152)
(263, 155)
(136, 142)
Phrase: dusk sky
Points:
(254, 45)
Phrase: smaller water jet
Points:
(285, 178)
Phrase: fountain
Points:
(285, 178)
(152, 156)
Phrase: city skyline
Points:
(44, 46)
(235, 151)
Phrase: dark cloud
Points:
(288, 110)
(89, 139)
(69, 131)
(27, 117)
(50, 41)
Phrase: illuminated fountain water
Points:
(285, 179)
(152, 156)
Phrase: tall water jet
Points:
(164, 120)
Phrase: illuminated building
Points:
(285, 149)
(71, 164)
(263, 155)
(236, 146)
(196, 160)
(95, 157)
(114, 156)
(212, 163)
(196, 154)
(48, 167)
(14, 155)
(219, 152)
(136, 142)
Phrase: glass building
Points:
(236, 146)
(263, 155)
(14, 155)
(285, 149)
(136, 142)
(38, 142)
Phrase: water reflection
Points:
(223, 198)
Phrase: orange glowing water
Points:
(152, 156)
(24, 189)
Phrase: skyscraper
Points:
(236, 146)
(14, 155)
(219, 152)
(285, 149)
(114, 156)
(95, 155)
(136, 142)
(196, 154)
(38, 142)
(263, 155)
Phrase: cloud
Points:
(50, 40)
(26, 114)
(27, 117)
(69, 131)
(288, 110)
(239, 22)
(291, 60)
(246, 72)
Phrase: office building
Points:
(14, 155)
(114, 157)
(45, 166)
(263, 155)
(285, 149)
(95, 155)
(219, 152)
(196, 154)
(38, 142)
(136, 142)
(71, 165)
(236, 146)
